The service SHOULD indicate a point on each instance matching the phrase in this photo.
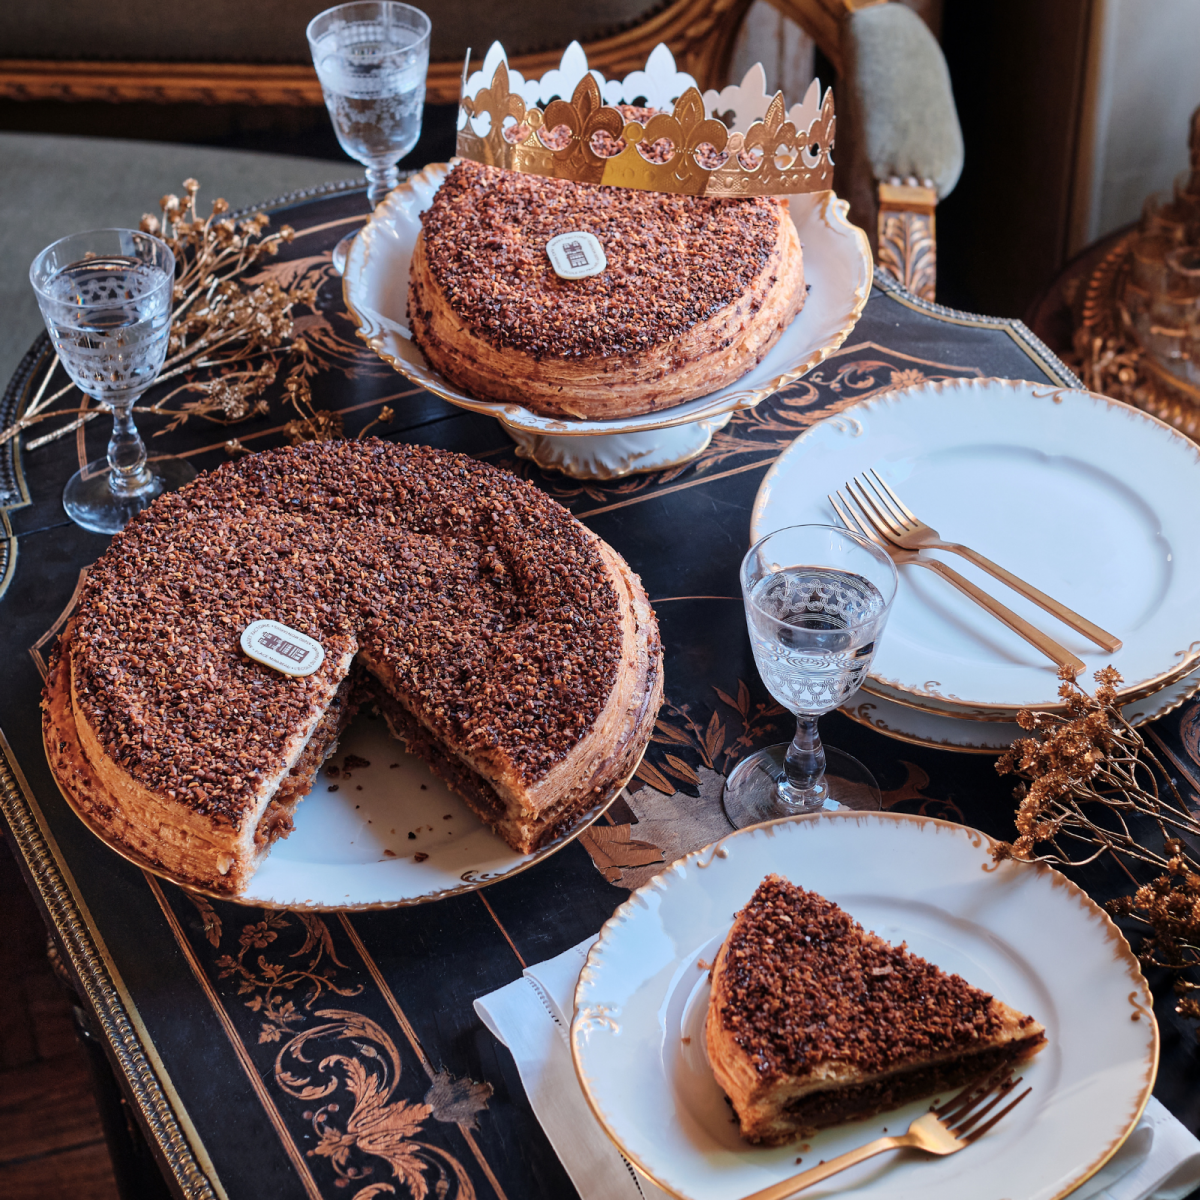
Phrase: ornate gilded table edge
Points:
(13, 491)
(1030, 343)
(162, 1113)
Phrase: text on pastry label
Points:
(282, 648)
(576, 255)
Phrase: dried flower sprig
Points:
(223, 320)
(1089, 776)
(212, 308)
(1112, 364)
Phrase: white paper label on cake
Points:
(286, 650)
(576, 255)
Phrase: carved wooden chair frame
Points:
(700, 33)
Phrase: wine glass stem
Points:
(804, 787)
(126, 452)
(381, 178)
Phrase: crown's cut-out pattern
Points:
(736, 142)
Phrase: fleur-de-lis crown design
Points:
(566, 125)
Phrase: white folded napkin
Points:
(1160, 1160)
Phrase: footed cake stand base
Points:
(612, 455)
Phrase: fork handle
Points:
(797, 1183)
(1066, 615)
(1021, 627)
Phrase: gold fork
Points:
(901, 526)
(945, 1130)
(1021, 627)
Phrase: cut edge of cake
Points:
(594, 770)
(220, 856)
(162, 832)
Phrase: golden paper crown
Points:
(736, 142)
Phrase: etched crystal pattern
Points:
(373, 79)
(109, 319)
(813, 633)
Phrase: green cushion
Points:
(901, 105)
(53, 186)
(273, 30)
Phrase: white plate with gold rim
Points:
(1086, 498)
(379, 830)
(837, 267)
(918, 727)
(1024, 933)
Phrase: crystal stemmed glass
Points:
(817, 599)
(372, 57)
(106, 300)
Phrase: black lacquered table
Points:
(203, 1007)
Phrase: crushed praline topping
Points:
(673, 261)
(804, 985)
(487, 602)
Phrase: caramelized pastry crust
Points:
(696, 291)
(813, 1021)
(517, 642)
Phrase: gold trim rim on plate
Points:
(853, 711)
(926, 699)
(716, 850)
(832, 210)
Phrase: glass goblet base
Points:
(752, 795)
(91, 502)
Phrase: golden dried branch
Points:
(1091, 786)
(244, 331)
(1111, 363)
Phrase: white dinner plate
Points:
(383, 835)
(1088, 499)
(1022, 932)
(919, 727)
(837, 267)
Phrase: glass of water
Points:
(817, 599)
(372, 57)
(106, 299)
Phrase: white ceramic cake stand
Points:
(837, 267)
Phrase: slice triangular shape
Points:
(813, 1021)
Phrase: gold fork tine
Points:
(841, 514)
(882, 520)
(962, 1103)
(894, 498)
(978, 1133)
(857, 514)
(962, 1112)
(965, 1123)
(897, 515)
(932, 1133)
(862, 523)
(850, 521)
